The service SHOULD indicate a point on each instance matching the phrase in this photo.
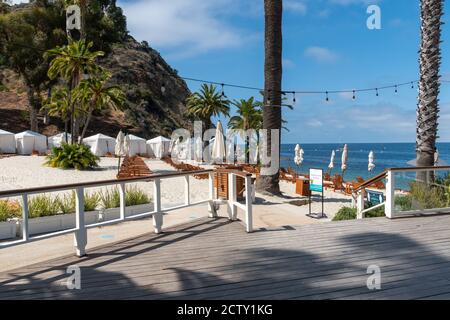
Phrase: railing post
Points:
(360, 203)
(211, 208)
(122, 197)
(25, 233)
(187, 191)
(157, 215)
(390, 188)
(248, 204)
(232, 197)
(80, 233)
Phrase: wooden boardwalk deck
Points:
(216, 259)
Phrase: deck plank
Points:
(216, 259)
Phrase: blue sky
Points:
(327, 46)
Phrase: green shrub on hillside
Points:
(345, 213)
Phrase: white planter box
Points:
(67, 221)
(8, 230)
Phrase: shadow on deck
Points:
(216, 259)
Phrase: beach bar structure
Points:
(100, 144)
(7, 142)
(29, 142)
(158, 147)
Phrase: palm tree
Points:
(70, 63)
(207, 103)
(59, 105)
(249, 117)
(269, 183)
(95, 94)
(429, 85)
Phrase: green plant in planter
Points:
(135, 196)
(404, 202)
(72, 156)
(428, 197)
(110, 198)
(91, 201)
(66, 203)
(42, 206)
(9, 209)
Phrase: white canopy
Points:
(7, 142)
(371, 165)
(158, 147)
(29, 141)
(100, 144)
(137, 145)
(298, 158)
(58, 139)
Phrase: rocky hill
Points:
(155, 96)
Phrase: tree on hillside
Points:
(269, 183)
(207, 103)
(24, 35)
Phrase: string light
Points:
(354, 95)
(412, 85)
(396, 89)
(327, 98)
(223, 90)
(268, 97)
(377, 91)
(293, 98)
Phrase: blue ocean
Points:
(387, 155)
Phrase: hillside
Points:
(139, 70)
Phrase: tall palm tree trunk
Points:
(429, 86)
(269, 183)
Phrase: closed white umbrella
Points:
(199, 149)
(344, 159)
(436, 158)
(119, 150)
(127, 145)
(218, 151)
(298, 158)
(371, 160)
(331, 165)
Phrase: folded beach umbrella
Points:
(119, 148)
(198, 149)
(127, 145)
(436, 158)
(298, 158)
(331, 165)
(371, 159)
(218, 150)
(344, 158)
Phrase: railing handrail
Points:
(419, 168)
(11, 193)
(242, 174)
(371, 181)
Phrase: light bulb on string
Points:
(293, 97)
(268, 97)
(412, 85)
(163, 88)
(327, 98)
(223, 90)
(354, 95)
(396, 89)
(376, 89)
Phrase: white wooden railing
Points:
(359, 194)
(80, 230)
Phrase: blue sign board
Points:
(375, 197)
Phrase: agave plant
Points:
(72, 156)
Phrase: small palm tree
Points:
(206, 103)
(70, 63)
(58, 105)
(94, 94)
(249, 117)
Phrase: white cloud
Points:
(184, 27)
(321, 54)
(296, 6)
(288, 64)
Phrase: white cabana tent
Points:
(218, 150)
(101, 144)
(29, 141)
(7, 142)
(158, 147)
(57, 140)
(137, 146)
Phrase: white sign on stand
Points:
(315, 184)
